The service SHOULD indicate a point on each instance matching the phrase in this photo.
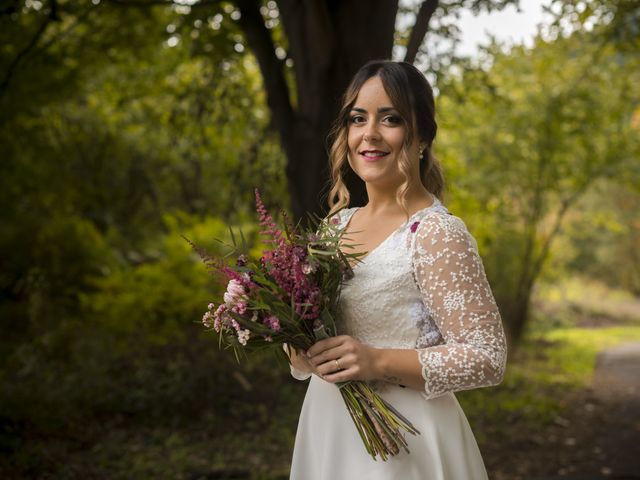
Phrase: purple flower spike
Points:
(414, 227)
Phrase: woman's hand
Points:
(343, 358)
(299, 360)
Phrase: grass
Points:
(247, 444)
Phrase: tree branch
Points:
(153, 3)
(565, 204)
(52, 16)
(261, 43)
(64, 33)
(420, 29)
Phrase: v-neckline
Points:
(434, 203)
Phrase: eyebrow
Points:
(380, 110)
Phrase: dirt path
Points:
(598, 437)
(617, 390)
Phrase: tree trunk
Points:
(328, 42)
(515, 313)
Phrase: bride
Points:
(418, 319)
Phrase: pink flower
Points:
(242, 260)
(206, 320)
(266, 221)
(234, 294)
(243, 279)
(220, 318)
(273, 323)
(414, 227)
(240, 307)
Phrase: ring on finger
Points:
(337, 360)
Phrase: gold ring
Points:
(337, 364)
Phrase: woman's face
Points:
(376, 135)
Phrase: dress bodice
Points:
(381, 305)
(424, 288)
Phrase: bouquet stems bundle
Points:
(289, 297)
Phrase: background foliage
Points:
(122, 129)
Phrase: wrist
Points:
(379, 364)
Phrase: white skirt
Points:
(328, 446)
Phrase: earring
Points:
(421, 148)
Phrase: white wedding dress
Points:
(422, 288)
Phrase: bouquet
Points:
(287, 300)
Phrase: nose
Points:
(371, 132)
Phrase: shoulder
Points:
(437, 228)
(341, 217)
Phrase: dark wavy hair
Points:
(412, 96)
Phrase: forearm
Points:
(342, 359)
(398, 366)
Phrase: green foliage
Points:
(529, 133)
(601, 236)
(160, 296)
(94, 160)
(135, 354)
(614, 21)
(110, 154)
(75, 362)
(138, 131)
(122, 129)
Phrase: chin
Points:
(377, 173)
(385, 180)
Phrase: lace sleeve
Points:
(298, 374)
(452, 282)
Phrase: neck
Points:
(383, 199)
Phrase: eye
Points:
(394, 119)
(356, 119)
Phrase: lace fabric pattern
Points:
(381, 305)
(424, 288)
(452, 281)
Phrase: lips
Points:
(373, 154)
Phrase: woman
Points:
(418, 318)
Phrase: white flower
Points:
(243, 336)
